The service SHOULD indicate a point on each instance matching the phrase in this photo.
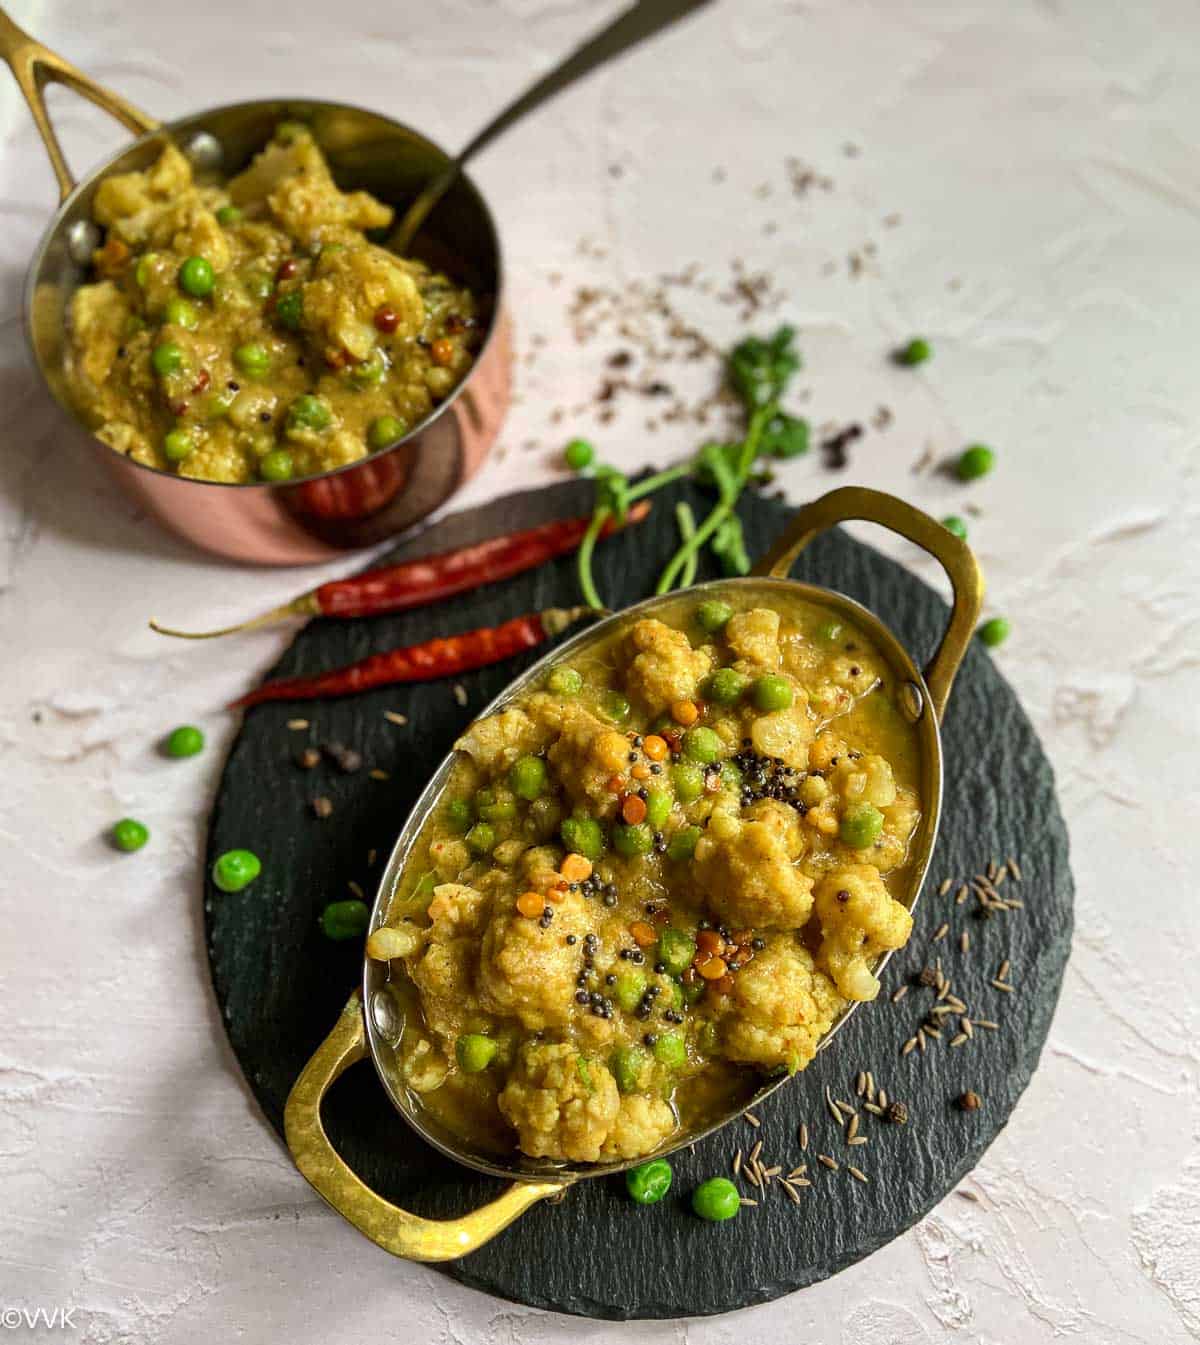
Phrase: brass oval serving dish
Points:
(359, 1033)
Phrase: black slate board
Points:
(280, 983)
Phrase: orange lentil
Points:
(530, 904)
(575, 868)
(616, 783)
(442, 352)
(709, 941)
(672, 740)
(685, 713)
(723, 985)
(643, 934)
(713, 969)
(633, 809)
(641, 771)
(655, 747)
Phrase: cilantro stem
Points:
(659, 480)
(687, 527)
(583, 561)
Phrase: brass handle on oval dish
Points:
(35, 66)
(951, 552)
(393, 1229)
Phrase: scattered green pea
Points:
(236, 869)
(369, 371)
(995, 631)
(579, 454)
(277, 465)
(342, 920)
(861, 825)
(166, 358)
(616, 706)
(670, 1049)
(772, 693)
(383, 431)
(144, 270)
(726, 686)
(179, 313)
(629, 988)
(703, 745)
(731, 777)
(528, 777)
(196, 277)
(682, 845)
(676, 949)
(252, 359)
(227, 215)
(178, 443)
(565, 682)
(129, 835)
(952, 523)
(688, 780)
(628, 1064)
(185, 741)
(289, 310)
(829, 632)
(974, 462)
(309, 413)
(632, 840)
(459, 815)
(658, 808)
(475, 1052)
(649, 1182)
(917, 351)
(496, 808)
(481, 838)
(716, 1199)
(713, 615)
(583, 836)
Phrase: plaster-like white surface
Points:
(1043, 157)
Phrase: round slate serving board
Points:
(280, 983)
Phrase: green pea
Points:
(309, 413)
(289, 310)
(709, 1039)
(672, 995)
(144, 271)
(481, 838)
(861, 825)
(952, 523)
(726, 686)
(917, 351)
(829, 632)
(528, 777)
(975, 461)
(178, 444)
(579, 454)
(565, 682)
(716, 1199)
(342, 920)
(683, 844)
(616, 707)
(166, 358)
(215, 406)
(676, 949)
(227, 215)
(185, 741)
(258, 284)
(688, 780)
(995, 631)
(423, 889)
(648, 1183)
(671, 1050)
(236, 869)
(628, 1064)
(631, 841)
(583, 836)
(713, 615)
(703, 745)
(459, 815)
(129, 835)
(196, 277)
(384, 431)
(180, 313)
(475, 1052)
(498, 808)
(772, 693)
(370, 371)
(253, 360)
(658, 808)
(276, 465)
(731, 777)
(629, 988)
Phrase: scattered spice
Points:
(296, 724)
(897, 1113)
(969, 1101)
(322, 807)
(309, 758)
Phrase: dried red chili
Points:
(446, 656)
(417, 583)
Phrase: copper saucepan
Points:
(368, 1024)
(445, 222)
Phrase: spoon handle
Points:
(644, 19)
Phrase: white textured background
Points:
(1043, 157)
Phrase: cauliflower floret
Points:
(348, 286)
(785, 734)
(754, 636)
(561, 1104)
(859, 919)
(586, 756)
(900, 819)
(665, 668)
(443, 967)
(642, 1124)
(780, 1008)
(745, 867)
(99, 314)
(865, 778)
(529, 970)
(496, 742)
(130, 203)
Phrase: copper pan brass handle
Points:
(953, 554)
(393, 1229)
(35, 66)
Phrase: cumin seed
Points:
(874, 1108)
(883, 1098)
(792, 1193)
(831, 1163)
(857, 1173)
(870, 1086)
(297, 724)
(745, 1200)
(940, 933)
(754, 1153)
(945, 886)
(770, 1172)
(737, 1162)
(797, 1172)
(852, 1129)
(460, 693)
(1002, 985)
(860, 1084)
(858, 1139)
(958, 1039)
(909, 1045)
(379, 775)
(899, 993)
(371, 854)
(358, 892)
(964, 941)
(986, 1023)
(803, 1135)
(992, 870)
(395, 717)
(962, 894)
(1002, 974)
(750, 1116)
(801, 1181)
(965, 1024)
(967, 1195)
(1014, 868)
